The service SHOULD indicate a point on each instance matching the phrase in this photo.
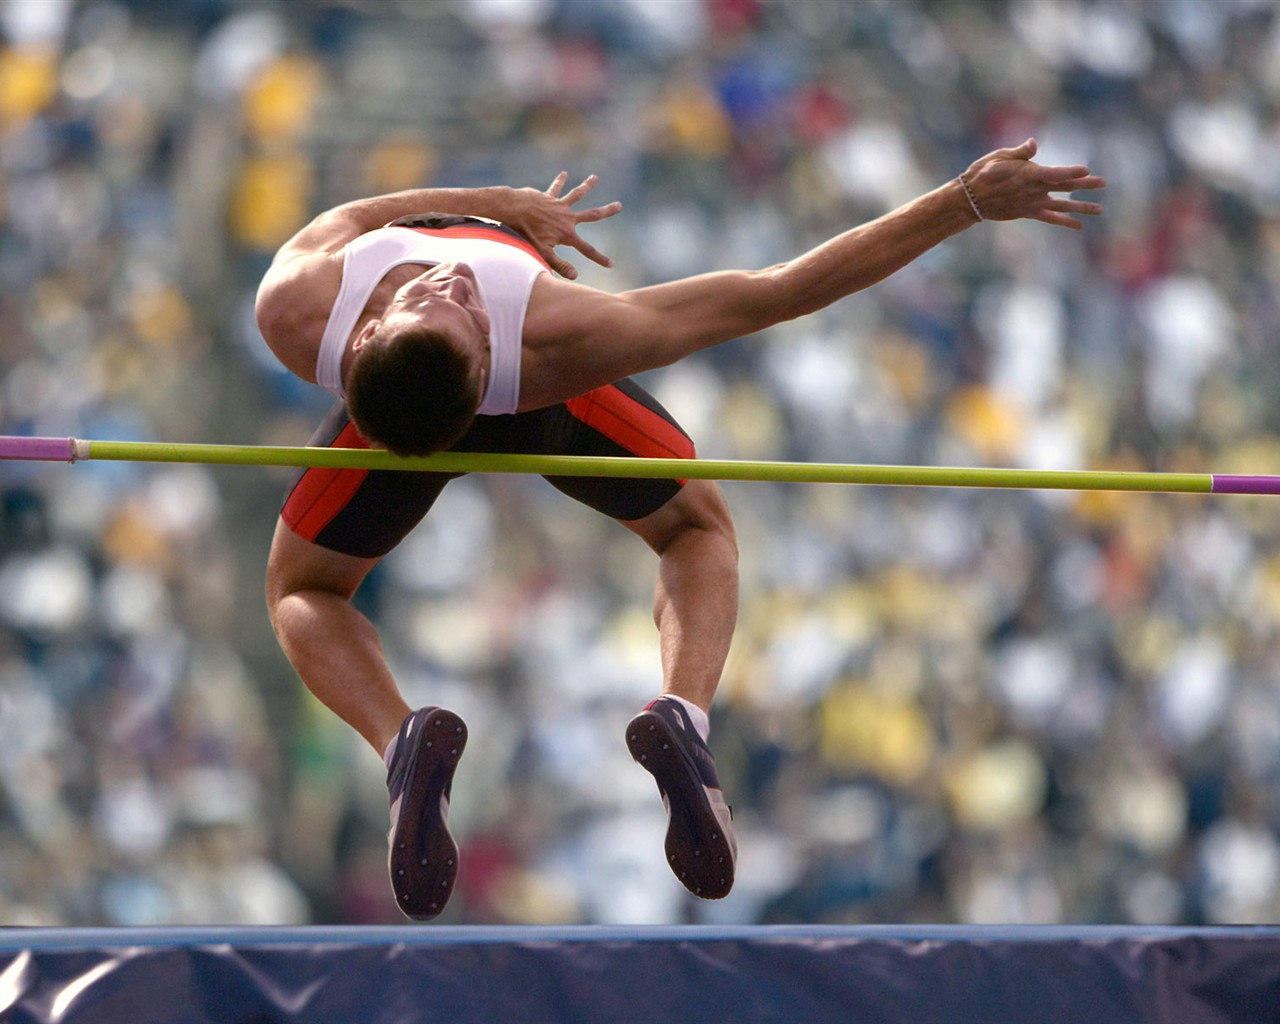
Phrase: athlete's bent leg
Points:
(333, 648)
(696, 609)
(696, 601)
(336, 652)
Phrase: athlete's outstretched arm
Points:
(576, 338)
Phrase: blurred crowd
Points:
(943, 705)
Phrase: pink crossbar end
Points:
(1226, 484)
(40, 449)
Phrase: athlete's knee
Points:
(699, 510)
(282, 591)
(708, 510)
(296, 566)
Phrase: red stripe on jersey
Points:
(323, 492)
(631, 424)
(492, 234)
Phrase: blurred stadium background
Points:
(942, 706)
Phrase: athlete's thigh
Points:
(356, 512)
(620, 420)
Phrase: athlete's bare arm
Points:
(577, 338)
(547, 218)
(298, 290)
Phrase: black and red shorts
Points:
(366, 513)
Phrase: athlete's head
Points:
(411, 390)
(418, 374)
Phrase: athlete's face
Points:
(442, 291)
(445, 298)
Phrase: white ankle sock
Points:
(696, 715)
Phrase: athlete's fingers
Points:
(1051, 175)
(553, 190)
(560, 265)
(597, 213)
(1023, 152)
(1074, 207)
(1069, 179)
(1063, 212)
(591, 252)
(1026, 151)
(587, 185)
(1058, 220)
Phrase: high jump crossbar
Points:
(70, 449)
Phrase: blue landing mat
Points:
(851, 975)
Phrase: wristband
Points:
(973, 203)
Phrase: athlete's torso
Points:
(505, 268)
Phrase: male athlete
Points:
(434, 317)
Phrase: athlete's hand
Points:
(548, 219)
(1008, 185)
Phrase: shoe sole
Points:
(423, 859)
(696, 846)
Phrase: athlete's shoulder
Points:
(292, 304)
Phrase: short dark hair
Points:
(411, 390)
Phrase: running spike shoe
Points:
(423, 858)
(701, 847)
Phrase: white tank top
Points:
(504, 271)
